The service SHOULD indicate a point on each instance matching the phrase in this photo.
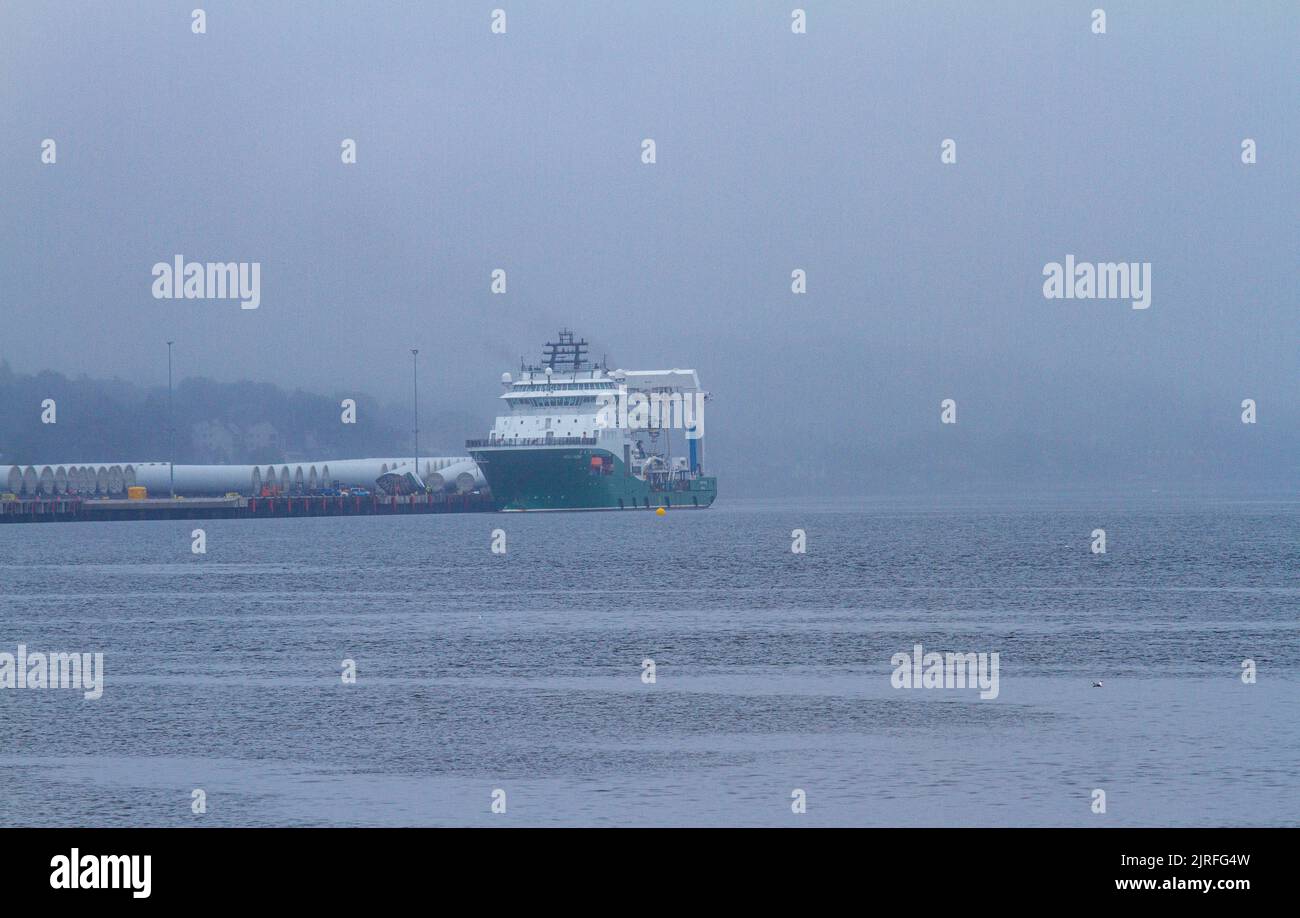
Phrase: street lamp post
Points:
(415, 409)
(171, 426)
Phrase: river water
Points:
(522, 674)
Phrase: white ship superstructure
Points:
(625, 424)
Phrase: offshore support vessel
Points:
(575, 435)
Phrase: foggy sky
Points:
(775, 151)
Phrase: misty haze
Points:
(924, 279)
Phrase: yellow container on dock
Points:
(137, 492)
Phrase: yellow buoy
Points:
(660, 512)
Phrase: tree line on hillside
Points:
(48, 417)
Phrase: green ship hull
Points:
(565, 478)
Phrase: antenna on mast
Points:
(567, 354)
